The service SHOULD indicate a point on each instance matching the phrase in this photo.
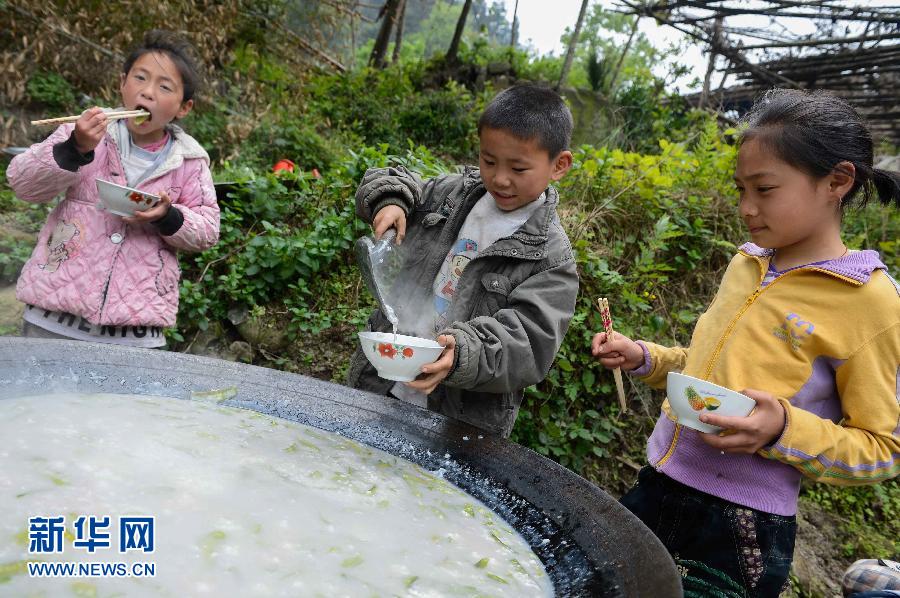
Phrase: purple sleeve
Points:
(644, 368)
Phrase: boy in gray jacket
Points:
(487, 259)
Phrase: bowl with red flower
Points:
(124, 201)
(397, 356)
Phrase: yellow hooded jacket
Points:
(825, 340)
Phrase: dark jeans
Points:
(721, 548)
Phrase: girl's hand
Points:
(390, 216)
(617, 352)
(748, 434)
(153, 214)
(90, 129)
(434, 373)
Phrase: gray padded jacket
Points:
(512, 305)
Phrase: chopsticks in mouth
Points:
(113, 115)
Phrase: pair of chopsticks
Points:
(603, 304)
(113, 115)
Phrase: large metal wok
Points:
(596, 547)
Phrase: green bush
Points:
(444, 119)
(208, 124)
(646, 113)
(19, 224)
(874, 227)
(51, 91)
(390, 107)
(861, 508)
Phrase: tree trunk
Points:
(453, 52)
(573, 42)
(398, 39)
(378, 59)
(710, 67)
(615, 75)
(515, 27)
(352, 60)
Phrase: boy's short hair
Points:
(178, 49)
(531, 112)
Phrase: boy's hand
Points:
(153, 214)
(748, 434)
(390, 216)
(434, 373)
(90, 129)
(617, 352)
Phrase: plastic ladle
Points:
(374, 258)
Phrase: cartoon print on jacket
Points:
(58, 250)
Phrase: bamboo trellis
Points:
(852, 50)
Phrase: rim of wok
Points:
(596, 547)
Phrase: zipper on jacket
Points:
(750, 300)
(106, 287)
(671, 449)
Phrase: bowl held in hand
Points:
(124, 201)
(399, 358)
(689, 397)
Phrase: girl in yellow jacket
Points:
(807, 328)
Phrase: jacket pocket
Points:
(433, 219)
(495, 297)
(422, 232)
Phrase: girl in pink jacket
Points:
(97, 276)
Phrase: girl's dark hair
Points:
(178, 49)
(814, 132)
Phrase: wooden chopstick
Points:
(113, 115)
(603, 304)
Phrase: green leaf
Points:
(587, 379)
(544, 411)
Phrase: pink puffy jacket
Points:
(88, 262)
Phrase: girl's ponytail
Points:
(887, 186)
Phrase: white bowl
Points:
(399, 357)
(124, 201)
(689, 397)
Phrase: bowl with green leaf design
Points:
(690, 397)
(398, 357)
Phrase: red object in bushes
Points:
(283, 164)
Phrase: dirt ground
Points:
(10, 311)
